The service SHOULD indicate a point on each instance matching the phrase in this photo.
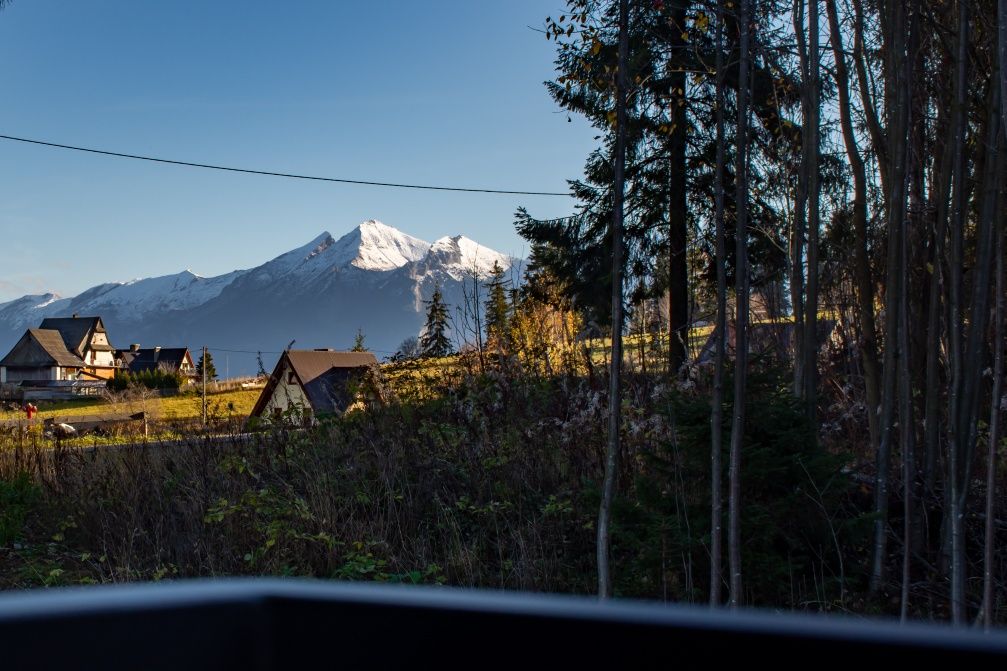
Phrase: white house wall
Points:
(102, 359)
(286, 396)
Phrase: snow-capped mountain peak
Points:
(460, 257)
(376, 246)
(372, 279)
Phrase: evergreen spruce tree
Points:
(497, 309)
(211, 372)
(434, 341)
(358, 342)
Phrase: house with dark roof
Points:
(164, 359)
(309, 383)
(87, 339)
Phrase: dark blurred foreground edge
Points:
(280, 624)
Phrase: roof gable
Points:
(321, 374)
(41, 347)
(75, 331)
(311, 364)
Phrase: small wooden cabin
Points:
(309, 383)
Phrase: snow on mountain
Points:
(371, 246)
(181, 291)
(374, 278)
(376, 246)
(29, 311)
(459, 257)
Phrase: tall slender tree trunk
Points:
(615, 378)
(868, 343)
(799, 232)
(897, 141)
(995, 400)
(678, 290)
(955, 289)
(907, 425)
(717, 404)
(741, 302)
(972, 359)
(944, 159)
(906, 429)
(810, 348)
(998, 341)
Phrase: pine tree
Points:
(434, 341)
(358, 342)
(211, 372)
(497, 309)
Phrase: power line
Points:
(264, 351)
(270, 173)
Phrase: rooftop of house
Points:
(150, 358)
(41, 347)
(322, 373)
(77, 331)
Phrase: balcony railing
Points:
(267, 624)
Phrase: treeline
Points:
(841, 164)
(151, 379)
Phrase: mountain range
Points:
(374, 279)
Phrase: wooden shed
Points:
(40, 355)
(309, 383)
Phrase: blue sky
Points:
(442, 92)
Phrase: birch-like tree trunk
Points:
(988, 604)
(798, 238)
(897, 105)
(811, 123)
(868, 343)
(955, 289)
(717, 403)
(741, 303)
(615, 377)
(998, 340)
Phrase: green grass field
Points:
(238, 403)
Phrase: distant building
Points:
(40, 354)
(60, 349)
(87, 339)
(165, 359)
(309, 383)
(43, 368)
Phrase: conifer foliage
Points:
(434, 342)
(497, 308)
(211, 371)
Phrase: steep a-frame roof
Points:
(322, 374)
(76, 332)
(41, 347)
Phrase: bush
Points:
(151, 379)
(17, 497)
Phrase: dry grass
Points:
(237, 403)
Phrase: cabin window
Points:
(291, 379)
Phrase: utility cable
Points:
(270, 173)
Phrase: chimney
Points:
(135, 347)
